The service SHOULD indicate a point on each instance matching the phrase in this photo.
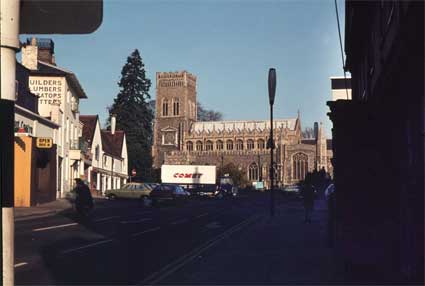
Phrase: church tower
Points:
(321, 148)
(175, 112)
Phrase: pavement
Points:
(48, 209)
(270, 250)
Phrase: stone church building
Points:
(180, 139)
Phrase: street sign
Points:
(44, 143)
(133, 172)
(60, 16)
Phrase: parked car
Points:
(130, 191)
(168, 193)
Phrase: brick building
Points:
(180, 139)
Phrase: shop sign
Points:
(44, 143)
(49, 91)
(21, 127)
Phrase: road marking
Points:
(21, 264)
(106, 218)
(136, 221)
(87, 246)
(55, 226)
(146, 231)
(143, 213)
(180, 221)
(214, 224)
(205, 214)
(156, 277)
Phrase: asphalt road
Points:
(124, 242)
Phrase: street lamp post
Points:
(272, 92)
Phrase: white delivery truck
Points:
(188, 174)
(197, 179)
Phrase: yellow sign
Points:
(44, 143)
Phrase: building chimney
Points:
(30, 54)
(46, 50)
(113, 123)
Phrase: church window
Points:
(299, 166)
(253, 172)
(198, 146)
(209, 146)
(250, 144)
(260, 144)
(239, 145)
(176, 106)
(165, 107)
(229, 145)
(219, 145)
(189, 146)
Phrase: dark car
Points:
(168, 193)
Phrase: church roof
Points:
(260, 125)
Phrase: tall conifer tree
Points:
(133, 114)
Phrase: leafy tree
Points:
(133, 114)
(307, 133)
(238, 176)
(208, 114)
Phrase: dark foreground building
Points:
(378, 143)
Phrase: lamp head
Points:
(272, 85)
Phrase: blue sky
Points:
(228, 45)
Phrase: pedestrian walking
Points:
(83, 199)
(308, 197)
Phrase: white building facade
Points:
(59, 93)
(108, 169)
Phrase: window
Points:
(239, 145)
(176, 106)
(209, 146)
(189, 146)
(165, 107)
(198, 146)
(260, 144)
(299, 166)
(219, 145)
(96, 153)
(253, 172)
(229, 145)
(250, 144)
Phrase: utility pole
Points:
(9, 47)
(272, 92)
(28, 17)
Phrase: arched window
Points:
(250, 144)
(176, 106)
(189, 146)
(229, 145)
(260, 144)
(165, 107)
(299, 166)
(239, 145)
(219, 145)
(253, 172)
(198, 146)
(209, 146)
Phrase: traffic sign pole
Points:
(9, 46)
